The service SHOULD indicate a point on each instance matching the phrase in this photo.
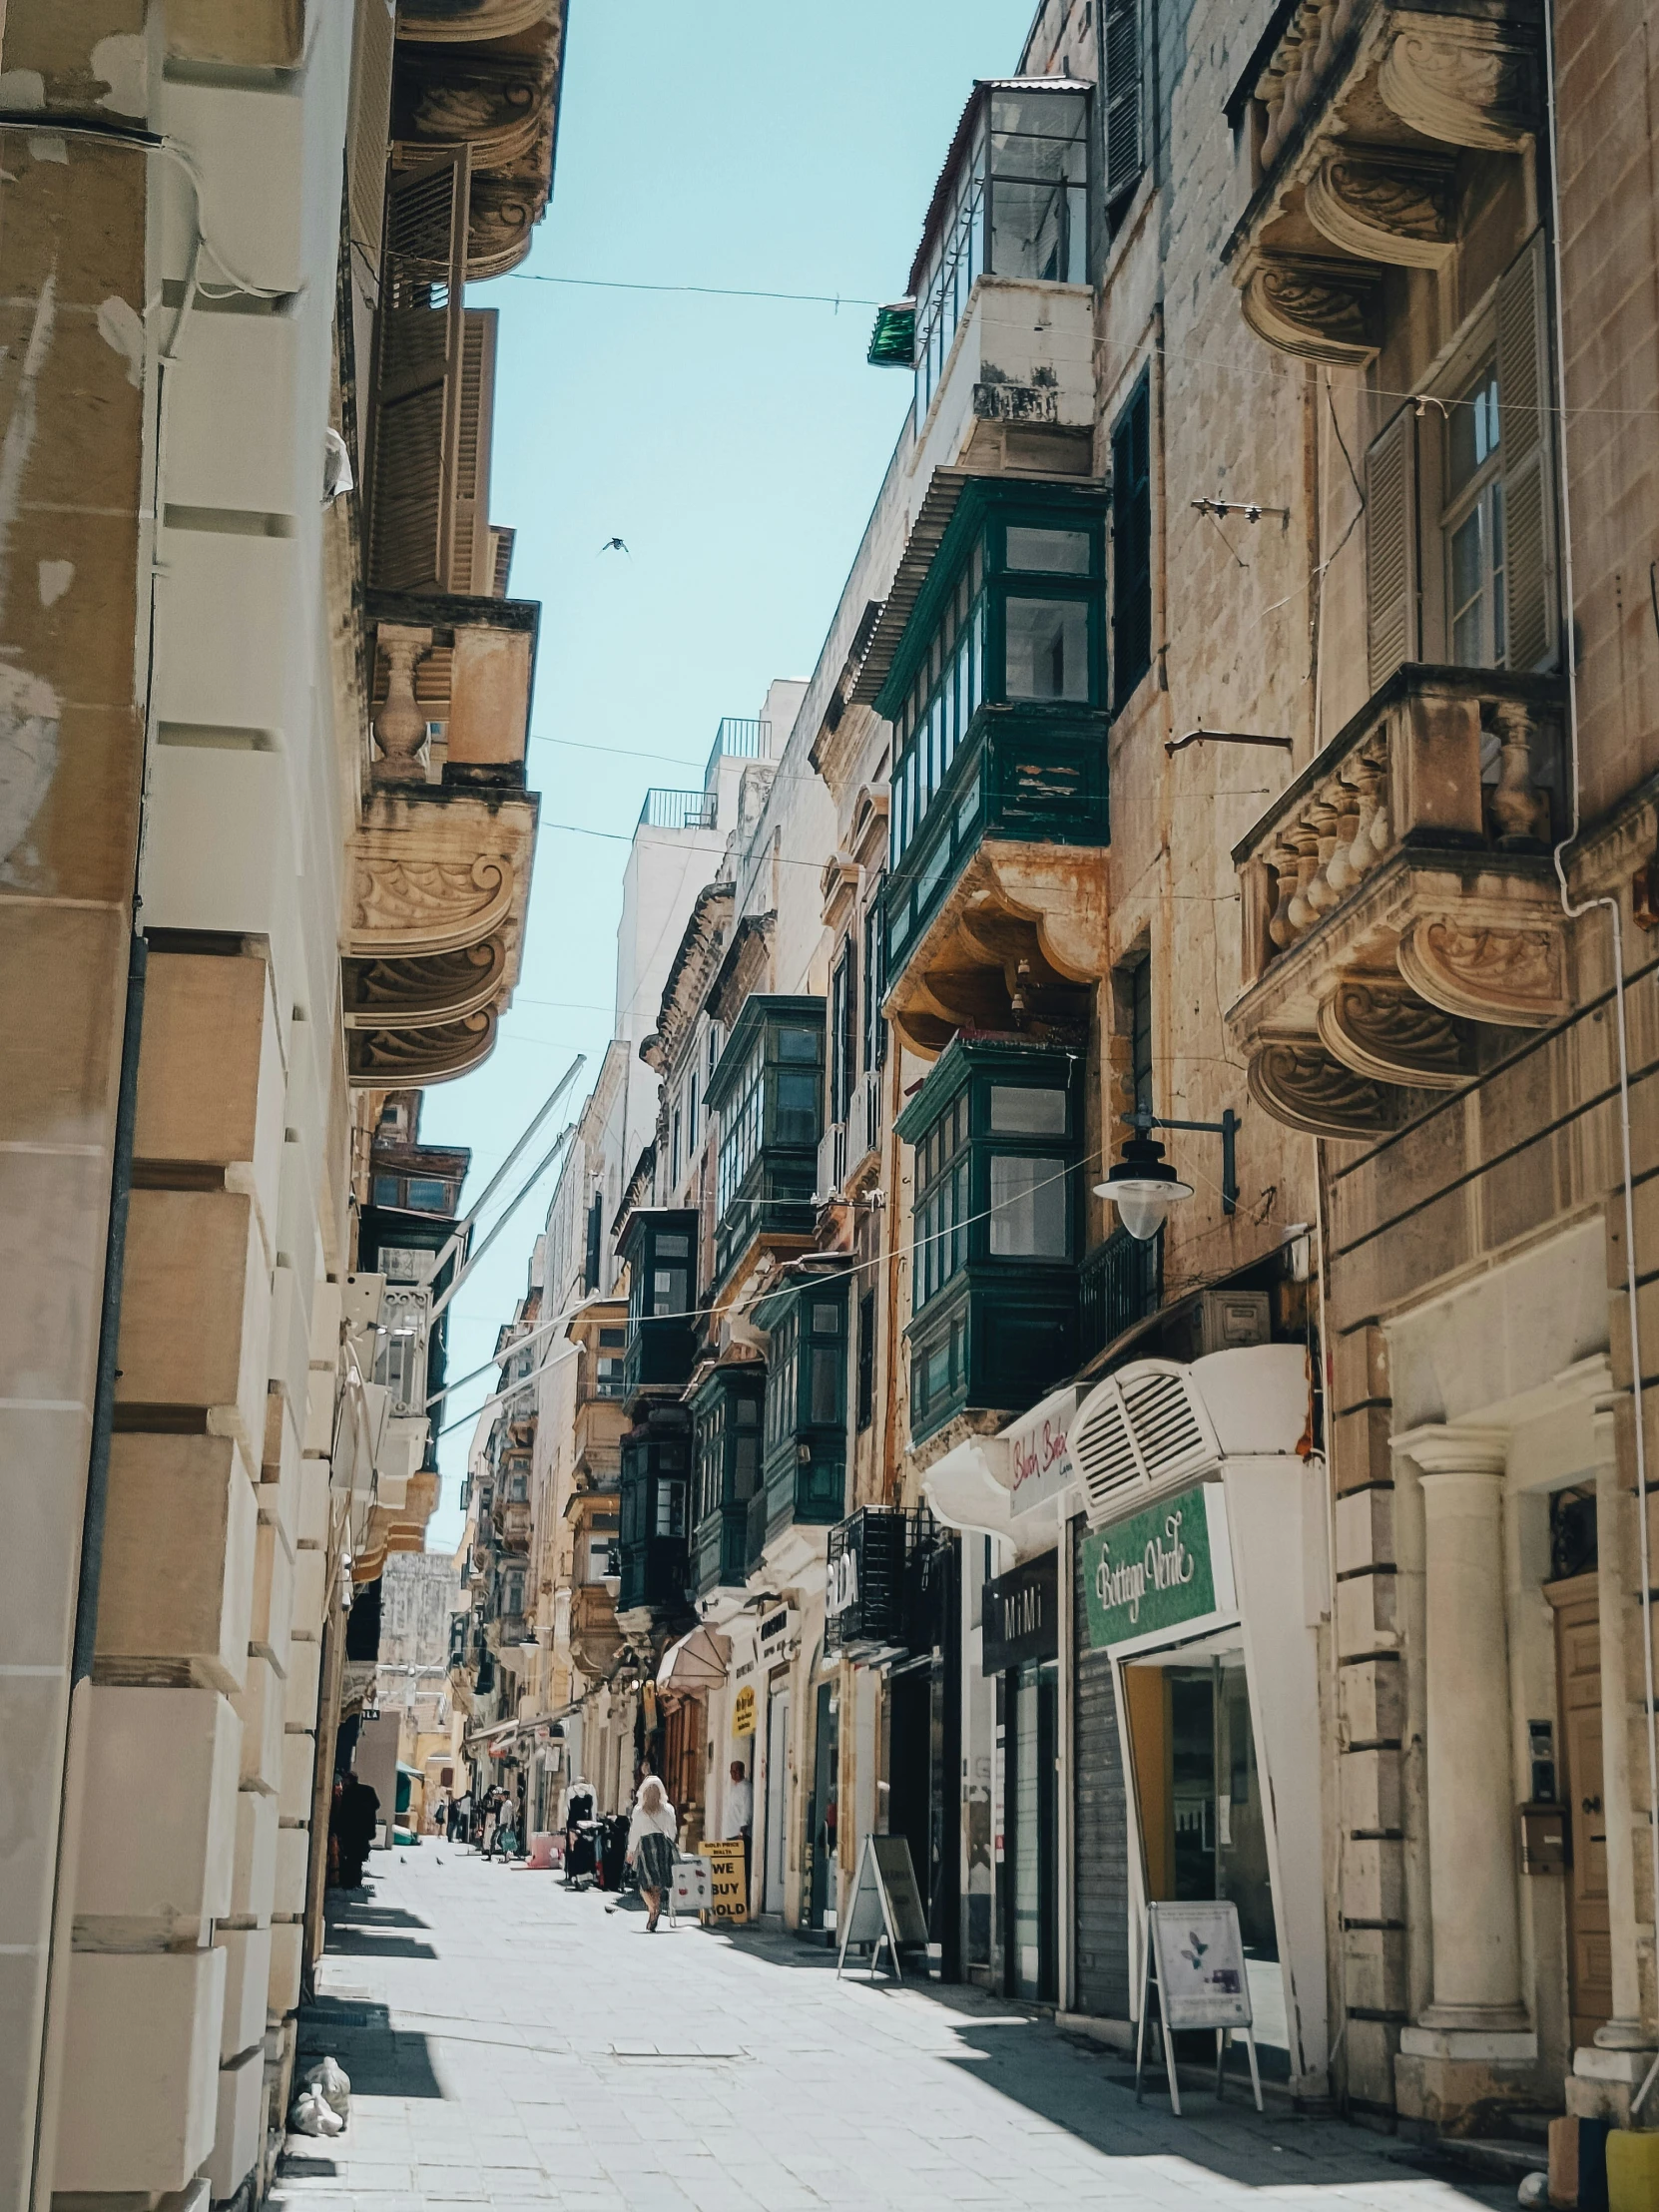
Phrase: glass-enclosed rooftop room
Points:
(1012, 202)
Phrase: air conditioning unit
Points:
(1218, 1321)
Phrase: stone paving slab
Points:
(513, 2044)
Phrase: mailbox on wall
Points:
(1543, 1838)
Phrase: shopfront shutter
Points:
(1100, 1822)
(1527, 433)
(1392, 585)
(472, 566)
(417, 395)
(1121, 95)
(372, 41)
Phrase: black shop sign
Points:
(1021, 1615)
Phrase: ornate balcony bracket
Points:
(1400, 912)
(1319, 309)
(1298, 1082)
(1355, 115)
(1461, 80)
(1385, 206)
(1379, 1029)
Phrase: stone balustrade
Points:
(1400, 908)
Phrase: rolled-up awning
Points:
(695, 1665)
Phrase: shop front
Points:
(1202, 1573)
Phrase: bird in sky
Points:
(615, 545)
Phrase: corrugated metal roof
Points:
(939, 504)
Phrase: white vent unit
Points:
(1143, 1428)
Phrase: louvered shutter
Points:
(472, 566)
(418, 396)
(1121, 92)
(374, 37)
(1391, 608)
(1532, 625)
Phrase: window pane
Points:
(673, 1247)
(1058, 552)
(671, 1508)
(824, 1403)
(1028, 1208)
(797, 1109)
(827, 1320)
(1020, 1111)
(746, 1469)
(1047, 649)
(1467, 597)
(1472, 434)
(387, 1191)
(797, 1044)
(428, 1196)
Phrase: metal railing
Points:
(739, 738)
(1119, 1283)
(670, 809)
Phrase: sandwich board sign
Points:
(885, 1906)
(728, 1898)
(1193, 1961)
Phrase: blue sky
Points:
(735, 444)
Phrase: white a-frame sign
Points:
(885, 1905)
(1192, 1958)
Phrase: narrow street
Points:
(513, 2043)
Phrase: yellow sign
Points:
(743, 1710)
(729, 1899)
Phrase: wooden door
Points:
(1578, 1681)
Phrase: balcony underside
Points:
(1015, 946)
(1371, 119)
(1416, 921)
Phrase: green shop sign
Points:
(1151, 1572)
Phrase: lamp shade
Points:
(1143, 1186)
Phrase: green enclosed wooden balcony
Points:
(997, 1222)
(728, 1411)
(804, 1445)
(767, 1089)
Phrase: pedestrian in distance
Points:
(652, 1835)
(356, 1815)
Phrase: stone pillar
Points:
(1473, 1914)
(1616, 1579)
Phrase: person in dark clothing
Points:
(356, 1816)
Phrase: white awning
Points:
(695, 1665)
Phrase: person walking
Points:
(652, 1835)
(461, 1815)
(357, 1814)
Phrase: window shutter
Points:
(1532, 625)
(373, 40)
(472, 567)
(1392, 547)
(1121, 91)
(418, 396)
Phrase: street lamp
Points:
(1142, 1185)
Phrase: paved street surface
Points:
(511, 2044)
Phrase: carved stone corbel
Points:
(1463, 81)
(408, 907)
(436, 987)
(1378, 1027)
(384, 1059)
(1513, 976)
(1385, 206)
(1319, 309)
(1300, 1083)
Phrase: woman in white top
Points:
(652, 1835)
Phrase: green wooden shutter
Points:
(1121, 95)
(1391, 584)
(419, 359)
(1525, 429)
